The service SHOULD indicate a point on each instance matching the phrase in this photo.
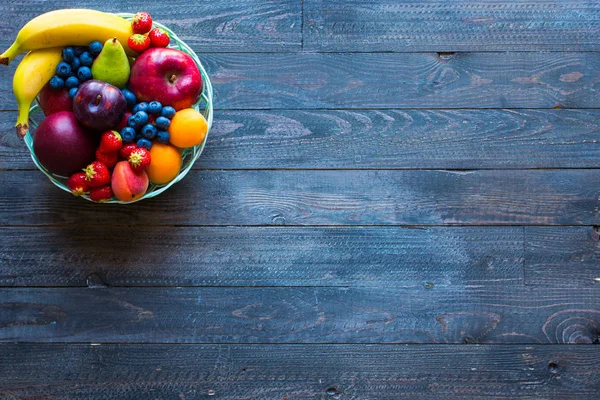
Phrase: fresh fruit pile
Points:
(118, 101)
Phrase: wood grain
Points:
(277, 256)
(359, 139)
(438, 25)
(219, 25)
(298, 372)
(488, 314)
(473, 80)
(559, 257)
(411, 80)
(404, 139)
(414, 197)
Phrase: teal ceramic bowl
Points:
(190, 155)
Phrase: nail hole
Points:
(553, 367)
(331, 391)
(445, 55)
(468, 340)
(429, 285)
(558, 107)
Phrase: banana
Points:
(34, 71)
(69, 27)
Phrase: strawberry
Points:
(139, 159)
(110, 142)
(108, 159)
(159, 37)
(126, 150)
(78, 184)
(101, 194)
(138, 43)
(97, 174)
(141, 22)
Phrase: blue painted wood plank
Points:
(466, 80)
(565, 256)
(235, 372)
(412, 197)
(510, 313)
(359, 139)
(274, 256)
(411, 80)
(458, 25)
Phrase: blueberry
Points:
(95, 48)
(84, 74)
(143, 106)
(154, 107)
(141, 117)
(72, 92)
(163, 137)
(129, 97)
(168, 112)
(75, 64)
(131, 122)
(86, 59)
(163, 123)
(57, 83)
(78, 50)
(63, 70)
(145, 143)
(128, 134)
(72, 82)
(68, 54)
(148, 131)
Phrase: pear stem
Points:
(173, 78)
(114, 40)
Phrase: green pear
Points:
(112, 64)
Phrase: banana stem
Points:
(23, 121)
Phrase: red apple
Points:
(53, 101)
(166, 75)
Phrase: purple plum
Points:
(99, 106)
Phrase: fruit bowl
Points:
(189, 155)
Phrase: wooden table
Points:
(398, 199)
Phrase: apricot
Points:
(127, 184)
(188, 128)
(165, 165)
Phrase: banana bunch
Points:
(44, 37)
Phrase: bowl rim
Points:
(193, 152)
